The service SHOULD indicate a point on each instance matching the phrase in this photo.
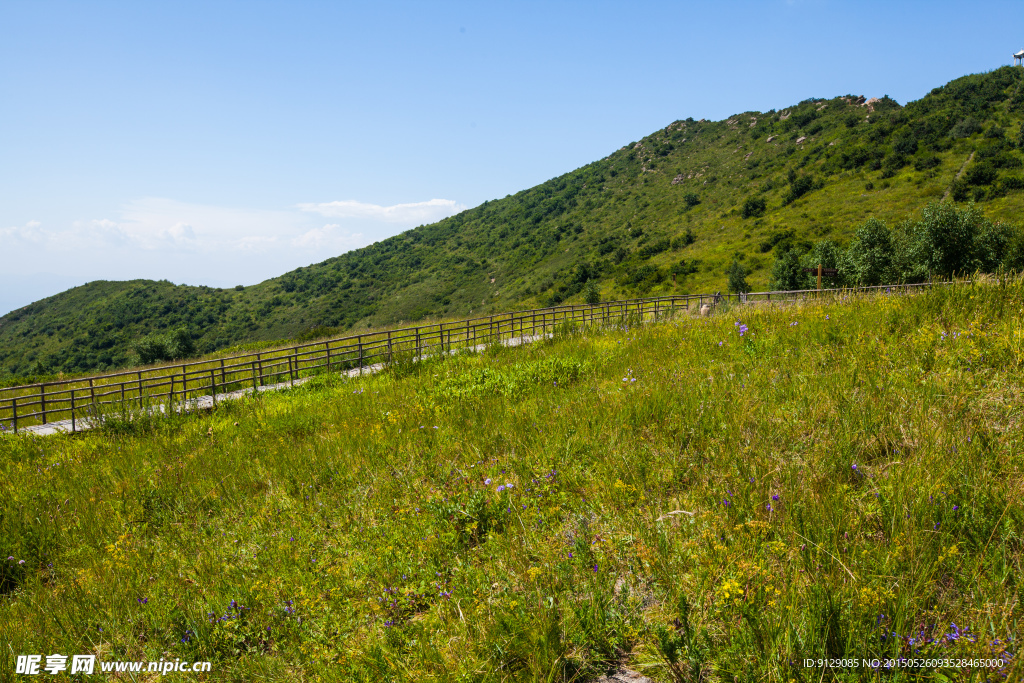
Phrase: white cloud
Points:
(219, 246)
(330, 236)
(409, 215)
(29, 232)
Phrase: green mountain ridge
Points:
(668, 213)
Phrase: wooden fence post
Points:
(259, 363)
(213, 385)
(92, 399)
(140, 388)
(72, 410)
(390, 358)
(223, 378)
(328, 346)
(360, 355)
(252, 369)
(42, 400)
(14, 411)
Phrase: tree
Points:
(949, 236)
(869, 259)
(787, 273)
(909, 262)
(738, 278)
(830, 255)
(591, 294)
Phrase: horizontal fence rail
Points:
(168, 386)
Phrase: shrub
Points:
(798, 187)
(965, 128)
(775, 238)
(926, 162)
(655, 248)
(691, 199)
(684, 240)
(591, 294)
(754, 207)
(905, 144)
(154, 348)
(959, 191)
(685, 267)
(981, 173)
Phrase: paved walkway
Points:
(207, 402)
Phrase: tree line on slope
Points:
(947, 241)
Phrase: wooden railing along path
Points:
(85, 397)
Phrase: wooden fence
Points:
(171, 385)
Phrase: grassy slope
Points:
(853, 471)
(532, 244)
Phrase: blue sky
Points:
(224, 143)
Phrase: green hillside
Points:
(669, 212)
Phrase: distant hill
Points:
(668, 213)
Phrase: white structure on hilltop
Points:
(1018, 58)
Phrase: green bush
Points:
(980, 173)
(684, 240)
(173, 345)
(798, 187)
(965, 128)
(754, 207)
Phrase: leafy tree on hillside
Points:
(738, 278)
(869, 257)
(829, 254)
(787, 272)
(909, 262)
(949, 236)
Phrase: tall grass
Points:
(841, 480)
